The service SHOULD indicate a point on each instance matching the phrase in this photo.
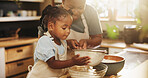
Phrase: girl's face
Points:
(75, 6)
(61, 28)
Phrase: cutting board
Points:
(143, 46)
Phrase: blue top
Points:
(45, 49)
(92, 19)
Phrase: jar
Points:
(131, 34)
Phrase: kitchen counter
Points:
(16, 42)
(134, 63)
(140, 71)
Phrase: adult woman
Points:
(86, 29)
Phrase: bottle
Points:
(1, 13)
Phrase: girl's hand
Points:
(80, 60)
(74, 44)
(83, 44)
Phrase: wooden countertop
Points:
(113, 43)
(15, 42)
(120, 44)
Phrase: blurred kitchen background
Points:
(123, 21)
(116, 16)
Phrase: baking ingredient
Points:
(108, 61)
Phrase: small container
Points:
(1, 13)
(10, 14)
(29, 13)
(131, 34)
(23, 13)
(34, 13)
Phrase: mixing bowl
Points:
(95, 55)
(83, 72)
(114, 63)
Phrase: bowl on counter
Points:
(95, 55)
(114, 63)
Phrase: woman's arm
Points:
(94, 40)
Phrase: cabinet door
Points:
(20, 76)
(18, 53)
(18, 67)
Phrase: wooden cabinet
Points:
(15, 57)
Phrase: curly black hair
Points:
(51, 14)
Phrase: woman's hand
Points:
(72, 43)
(83, 44)
(80, 60)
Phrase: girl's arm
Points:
(76, 60)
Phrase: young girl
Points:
(51, 50)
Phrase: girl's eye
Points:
(63, 28)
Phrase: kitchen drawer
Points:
(18, 53)
(18, 67)
(20, 76)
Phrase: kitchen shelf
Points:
(33, 0)
(27, 0)
(12, 19)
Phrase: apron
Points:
(41, 68)
(78, 36)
